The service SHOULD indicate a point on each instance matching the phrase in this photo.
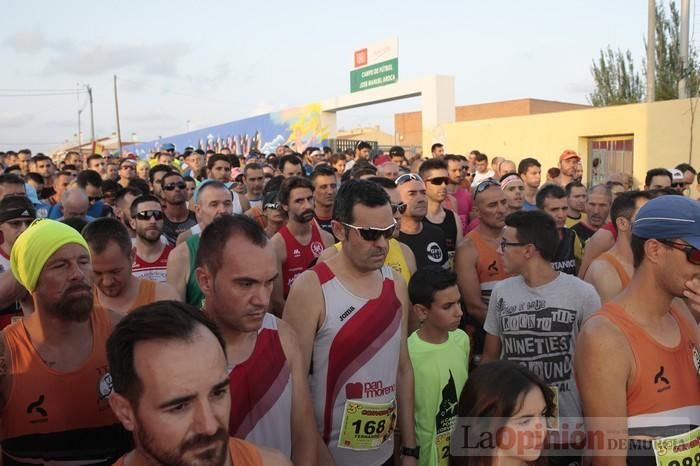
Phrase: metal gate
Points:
(608, 155)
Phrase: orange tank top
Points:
(490, 266)
(147, 294)
(666, 387)
(60, 417)
(242, 454)
(619, 268)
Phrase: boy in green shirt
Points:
(439, 353)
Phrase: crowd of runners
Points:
(361, 308)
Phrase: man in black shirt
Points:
(426, 241)
(552, 199)
(177, 217)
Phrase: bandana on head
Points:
(35, 246)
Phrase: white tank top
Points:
(355, 357)
(261, 393)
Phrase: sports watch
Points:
(414, 452)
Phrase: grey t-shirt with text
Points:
(538, 328)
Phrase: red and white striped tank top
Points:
(155, 271)
(355, 357)
(261, 393)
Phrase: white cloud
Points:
(151, 59)
(26, 41)
(15, 120)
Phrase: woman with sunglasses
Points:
(637, 362)
(501, 415)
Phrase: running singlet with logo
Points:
(394, 258)
(61, 418)
(261, 389)
(663, 399)
(489, 268)
(156, 270)
(355, 362)
(449, 228)
(241, 453)
(564, 258)
(299, 256)
(172, 230)
(14, 309)
(428, 246)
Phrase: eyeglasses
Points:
(438, 180)
(407, 177)
(468, 174)
(171, 187)
(400, 208)
(373, 234)
(678, 185)
(149, 214)
(484, 185)
(269, 175)
(94, 198)
(272, 205)
(505, 244)
(691, 253)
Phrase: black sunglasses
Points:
(400, 208)
(172, 186)
(691, 253)
(149, 214)
(373, 234)
(94, 198)
(438, 180)
(484, 185)
(407, 177)
(505, 244)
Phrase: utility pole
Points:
(80, 141)
(651, 51)
(685, 26)
(116, 107)
(92, 117)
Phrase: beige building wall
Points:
(410, 131)
(661, 131)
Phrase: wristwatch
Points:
(414, 452)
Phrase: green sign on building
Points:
(378, 74)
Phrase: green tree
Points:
(618, 82)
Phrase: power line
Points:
(44, 94)
(34, 90)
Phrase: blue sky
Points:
(202, 63)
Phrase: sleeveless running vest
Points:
(394, 258)
(172, 230)
(61, 418)
(489, 268)
(145, 295)
(261, 388)
(156, 270)
(428, 246)
(565, 257)
(665, 389)
(241, 452)
(14, 309)
(299, 256)
(449, 227)
(355, 362)
(619, 268)
(194, 295)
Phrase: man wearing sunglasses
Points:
(477, 263)
(299, 243)
(178, 218)
(534, 317)
(425, 240)
(16, 213)
(434, 173)
(112, 257)
(151, 254)
(350, 316)
(637, 361)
